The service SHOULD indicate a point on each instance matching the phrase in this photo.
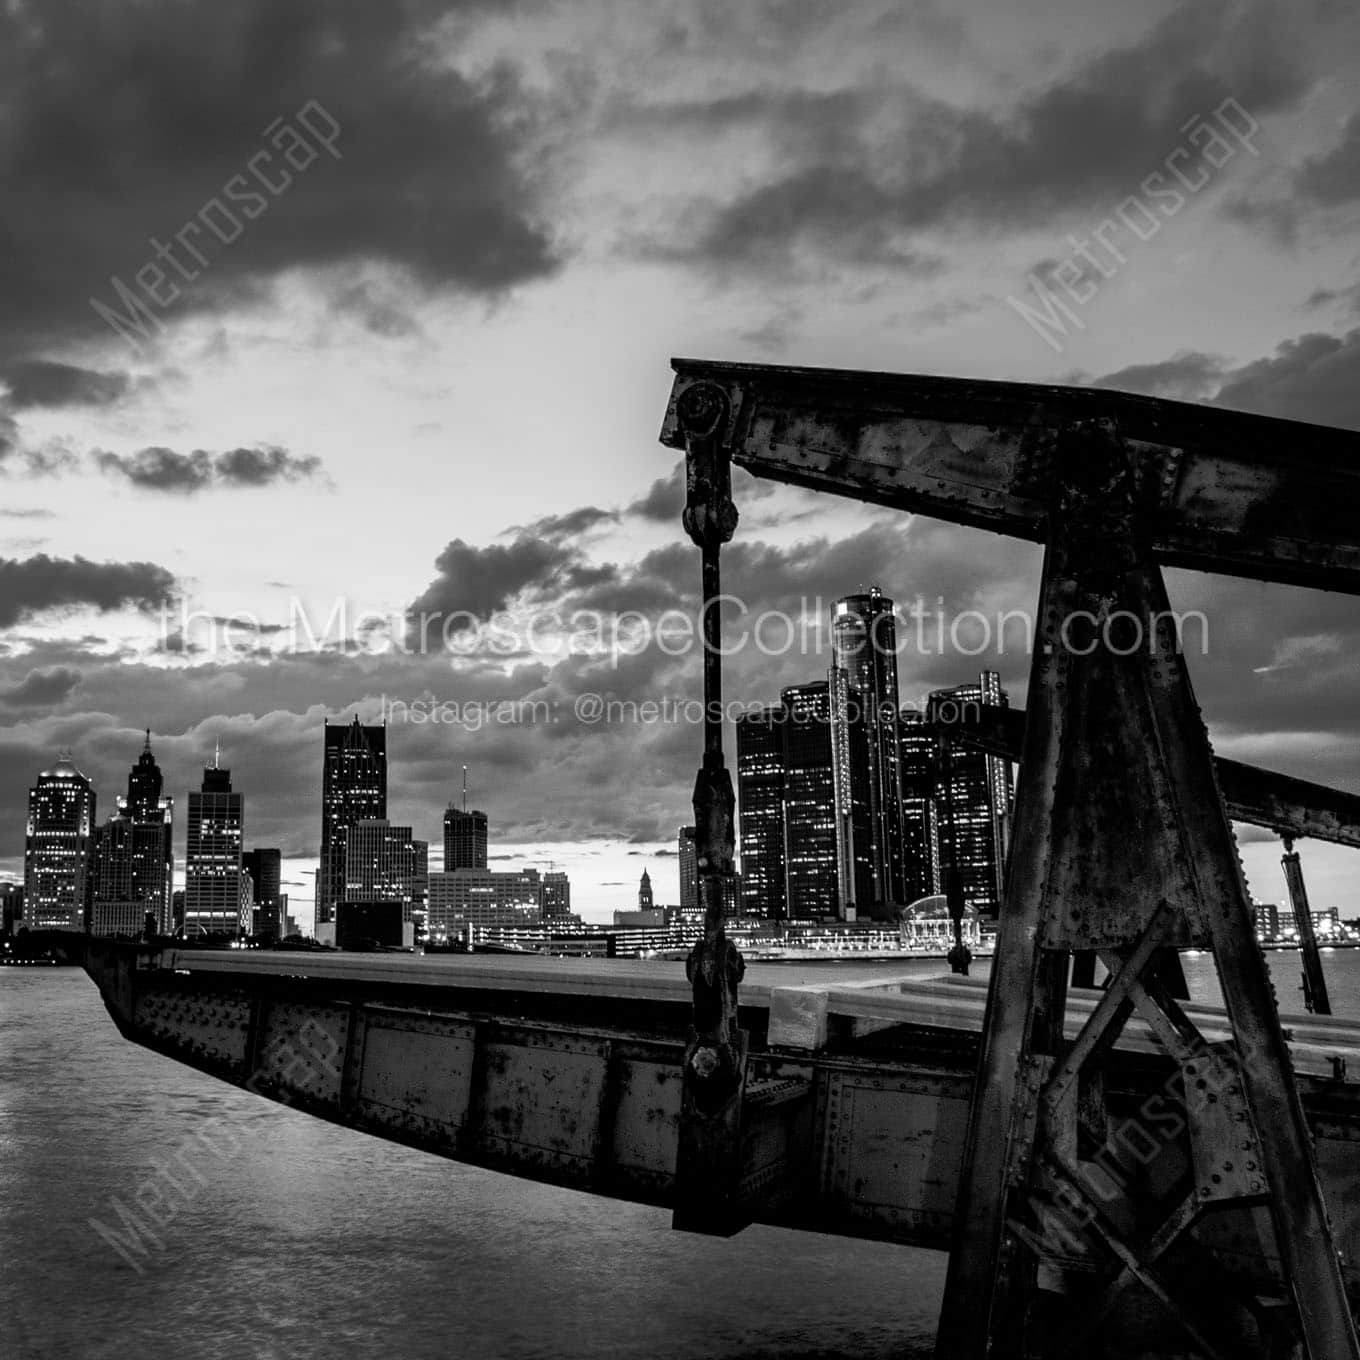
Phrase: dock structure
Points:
(1097, 1164)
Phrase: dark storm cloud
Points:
(1186, 376)
(1314, 377)
(854, 172)
(42, 382)
(1348, 297)
(664, 499)
(41, 688)
(474, 583)
(33, 585)
(123, 120)
(1334, 177)
(573, 523)
(161, 469)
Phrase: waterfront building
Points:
(689, 865)
(57, 849)
(864, 648)
(858, 887)
(811, 860)
(760, 800)
(920, 822)
(11, 907)
(973, 798)
(216, 892)
(353, 789)
(133, 858)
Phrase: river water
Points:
(293, 1239)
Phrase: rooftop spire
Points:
(146, 749)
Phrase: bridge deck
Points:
(569, 1071)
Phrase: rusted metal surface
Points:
(709, 1159)
(1220, 490)
(1315, 996)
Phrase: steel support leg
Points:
(708, 1161)
(1315, 996)
(1123, 846)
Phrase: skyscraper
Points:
(61, 819)
(811, 860)
(920, 824)
(464, 839)
(134, 856)
(353, 790)
(864, 646)
(856, 886)
(265, 867)
(215, 887)
(974, 794)
(556, 896)
(760, 802)
(689, 864)
(381, 863)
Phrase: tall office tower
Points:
(974, 798)
(856, 886)
(811, 857)
(689, 867)
(760, 799)
(864, 646)
(381, 863)
(61, 819)
(421, 884)
(134, 857)
(265, 867)
(645, 899)
(920, 828)
(353, 790)
(214, 886)
(464, 839)
(556, 894)
(147, 805)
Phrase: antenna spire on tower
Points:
(217, 753)
(464, 788)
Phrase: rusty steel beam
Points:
(1293, 808)
(1221, 490)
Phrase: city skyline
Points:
(334, 359)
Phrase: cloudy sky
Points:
(323, 314)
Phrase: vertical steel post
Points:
(1314, 984)
(1114, 740)
(708, 1164)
